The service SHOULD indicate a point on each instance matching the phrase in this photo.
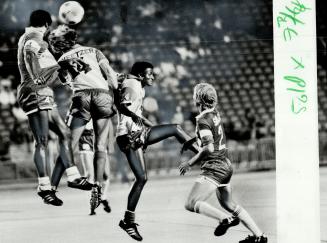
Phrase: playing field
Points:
(161, 214)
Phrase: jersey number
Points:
(81, 66)
(220, 132)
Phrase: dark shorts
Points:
(133, 141)
(86, 141)
(124, 143)
(220, 171)
(33, 100)
(92, 103)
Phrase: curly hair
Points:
(205, 95)
(62, 39)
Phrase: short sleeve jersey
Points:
(93, 57)
(132, 94)
(32, 41)
(209, 129)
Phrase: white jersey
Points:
(132, 94)
(93, 57)
(32, 40)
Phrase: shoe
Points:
(131, 230)
(95, 198)
(106, 206)
(80, 183)
(255, 239)
(225, 225)
(49, 197)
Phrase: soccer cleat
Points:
(49, 197)
(95, 198)
(225, 225)
(255, 239)
(131, 230)
(80, 183)
(106, 206)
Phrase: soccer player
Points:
(86, 154)
(93, 81)
(39, 69)
(134, 133)
(216, 169)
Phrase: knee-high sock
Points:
(208, 210)
(247, 220)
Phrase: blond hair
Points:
(205, 95)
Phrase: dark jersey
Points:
(209, 129)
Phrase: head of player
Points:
(62, 39)
(144, 72)
(40, 19)
(205, 96)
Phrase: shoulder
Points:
(131, 83)
(206, 118)
(32, 45)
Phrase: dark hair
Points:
(140, 67)
(40, 18)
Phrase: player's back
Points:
(92, 79)
(210, 120)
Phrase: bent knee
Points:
(42, 142)
(99, 147)
(229, 206)
(142, 179)
(190, 205)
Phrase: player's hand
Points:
(44, 46)
(184, 167)
(138, 120)
(64, 77)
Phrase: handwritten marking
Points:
(297, 89)
(290, 18)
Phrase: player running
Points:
(93, 95)
(86, 154)
(216, 169)
(135, 133)
(39, 70)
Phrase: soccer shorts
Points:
(92, 103)
(219, 171)
(135, 140)
(33, 100)
(86, 141)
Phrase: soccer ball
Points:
(71, 13)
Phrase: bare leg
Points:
(39, 124)
(101, 132)
(197, 198)
(161, 132)
(87, 164)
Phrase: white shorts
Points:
(201, 179)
